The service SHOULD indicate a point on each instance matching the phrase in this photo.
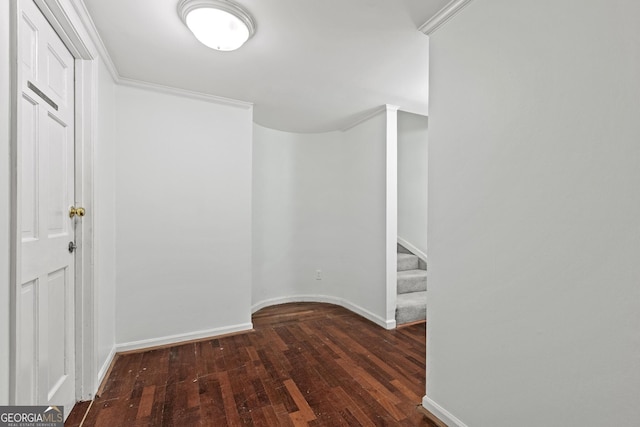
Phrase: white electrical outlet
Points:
(318, 274)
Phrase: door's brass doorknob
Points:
(73, 211)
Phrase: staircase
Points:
(411, 305)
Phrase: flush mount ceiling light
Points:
(218, 24)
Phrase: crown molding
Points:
(413, 111)
(364, 118)
(185, 93)
(444, 15)
(87, 22)
(89, 25)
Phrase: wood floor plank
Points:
(146, 402)
(270, 416)
(297, 397)
(77, 414)
(304, 364)
(283, 416)
(406, 391)
(298, 419)
(211, 399)
(376, 390)
(230, 408)
(345, 402)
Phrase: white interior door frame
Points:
(68, 25)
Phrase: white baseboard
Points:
(444, 415)
(387, 324)
(417, 252)
(105, 367)
(177, 339)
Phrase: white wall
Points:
(318, 204)
(293, 207)
(105, 220)
(534, 214)
(412, 179)
(5, 96)
(363, 230)
(183, 223)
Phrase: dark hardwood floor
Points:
(305, 364)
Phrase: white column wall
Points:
(365, 199)
(534, 214)
(391, 211)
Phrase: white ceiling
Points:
(312, 66)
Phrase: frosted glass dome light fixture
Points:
(218, 24)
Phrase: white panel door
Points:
(45, 298)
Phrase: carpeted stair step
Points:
(411, 307)
(408, 262)
(412, 281)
